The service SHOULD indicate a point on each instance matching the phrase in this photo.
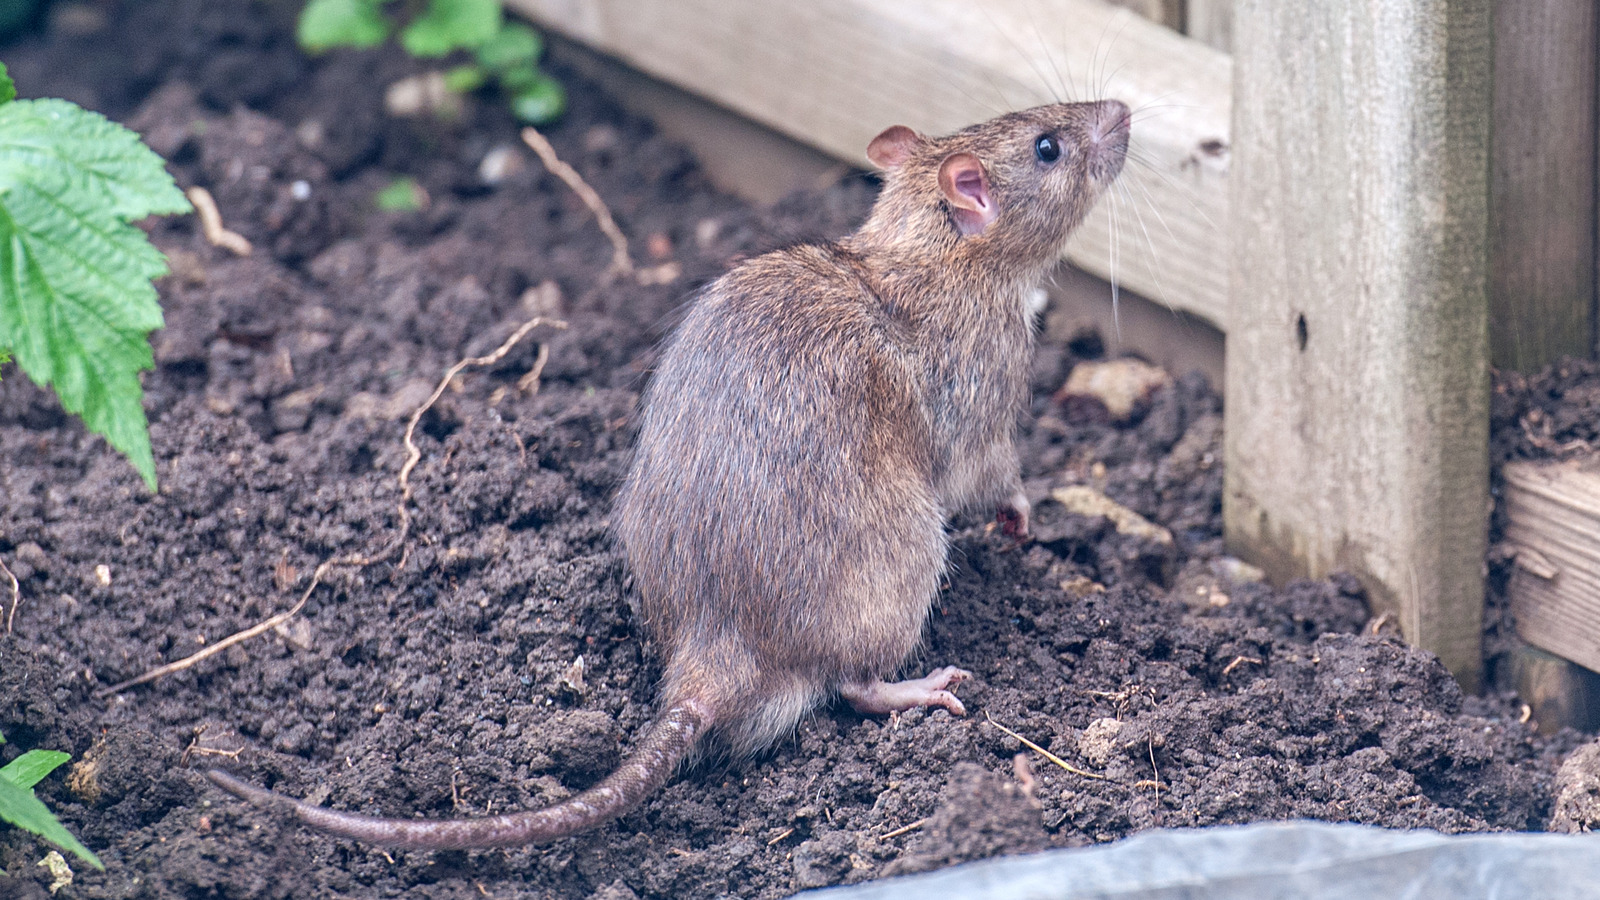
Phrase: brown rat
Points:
(814, 421)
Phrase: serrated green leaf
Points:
(540, 102)
(57, 136)
(30, 768)
(21, 808)
(325, 24)
(513, 45)
(8, 90)
(448, 25)
(76, 300)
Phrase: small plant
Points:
(506, 53)
(402, 195)
(21, 808)
(76, 299)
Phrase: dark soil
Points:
(446, 680)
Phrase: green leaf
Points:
(513, 45)
(8, 90)
(325, 24)
(402, 195)
(30, 768)
(465, 79)
(21, 808)
(449, 25)
(76, 302)
(540, 102)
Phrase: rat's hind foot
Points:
(1013, 516)
(881, 697)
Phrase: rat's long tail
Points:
(668, 742)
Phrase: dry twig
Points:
(1043, 752)
(905, 829)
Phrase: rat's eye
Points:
(1047, 148)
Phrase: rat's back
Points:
(778, 518)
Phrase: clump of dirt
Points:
(495, 663)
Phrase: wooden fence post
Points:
(1542, 224)
(1357, 363)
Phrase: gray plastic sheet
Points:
(1272, 860)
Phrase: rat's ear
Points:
(966, 187)
(893, 147)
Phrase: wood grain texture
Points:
(1210, 22)
(1542, 187)
(1357, 376)
(833, 73)
(1553, 523)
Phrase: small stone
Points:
(1098, 742)
(426, 93)
(823, 861)
(1086, 501)
(543, 299)
(499, 164)
(1237, 570)
(1116, 390)
(706, 232)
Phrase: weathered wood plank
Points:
(833, 73)
(1559, 693)
(1357, 376)
(1552, 520)
(1162, 12)
(1542, 187)
(1210, 22)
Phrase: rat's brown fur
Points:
(814, 421)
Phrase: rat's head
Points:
(1019, 183)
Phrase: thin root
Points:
(205, 206)
(1155, 773)
(413, 455)
(16, 595)
(1376, 625)
(259, 628)
(529, 383)
(1239, 661)
(1043, 752)
(621, 261)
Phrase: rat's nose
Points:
(1108, 138)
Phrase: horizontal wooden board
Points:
(1553, 524)
(833, 73)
